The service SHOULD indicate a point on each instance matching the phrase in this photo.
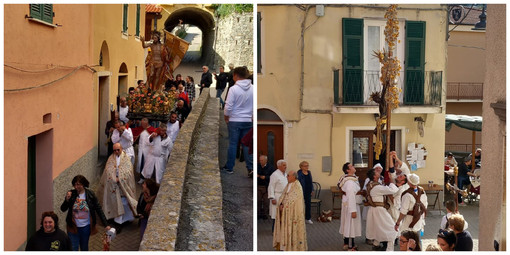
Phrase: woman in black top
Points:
(49, 237)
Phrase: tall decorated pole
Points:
(387, 98)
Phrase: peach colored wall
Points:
(33, 46)
(466, 55)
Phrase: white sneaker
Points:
(141, 181)
(309, 221)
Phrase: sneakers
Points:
(309, 222)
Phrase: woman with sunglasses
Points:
(446, 239)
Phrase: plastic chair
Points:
(315, 201)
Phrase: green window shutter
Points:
(414, 63)
(138, 20)
(259, 56)
(42, 12)
(352, 62)
(47, 13)
(124, 19)
(36, 11)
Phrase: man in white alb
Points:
(277, 183)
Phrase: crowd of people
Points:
(394, 208)
(140, 149)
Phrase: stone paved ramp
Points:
(201, 221)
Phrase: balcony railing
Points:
(422, 89)
(460, 147)
(464, 91)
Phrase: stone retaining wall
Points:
(162, 229)
(86, 166)
(234, 41)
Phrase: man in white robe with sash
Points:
(411, 218)
(350, 219)
(118, 187)
(379, 221)
(277, 182)
(290, 231)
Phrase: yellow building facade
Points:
(65, 64)
(323, 112)
(118, 56)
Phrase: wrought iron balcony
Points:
(418, 88)
(464, 91)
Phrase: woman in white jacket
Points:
(350, 221)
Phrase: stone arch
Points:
(122, 80)
(104, 56)
(200, 18)
(123, 68)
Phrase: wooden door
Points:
(31, 188)
(362, 154)
(270, 142)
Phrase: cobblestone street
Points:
(325, 237)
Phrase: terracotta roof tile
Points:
(153, 8)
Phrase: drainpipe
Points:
(302, 85)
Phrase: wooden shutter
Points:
(259, 56)
(352, 48)
(47, 13)
(36, 11)
(138, 20)
(42, 12)
(414, 63)
(124, 19)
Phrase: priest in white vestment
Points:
(290, 230)
(118, 187)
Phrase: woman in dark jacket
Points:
(145, 203)
(82, 205)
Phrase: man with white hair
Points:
(414, 206)
(277, 183)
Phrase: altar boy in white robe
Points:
(350, 221)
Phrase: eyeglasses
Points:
(402, 241)
(117, 150)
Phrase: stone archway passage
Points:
(200, 18)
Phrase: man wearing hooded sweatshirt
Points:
(238, 114)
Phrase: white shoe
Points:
(141, 181)
(309, 221)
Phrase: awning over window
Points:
(473, 123)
